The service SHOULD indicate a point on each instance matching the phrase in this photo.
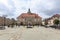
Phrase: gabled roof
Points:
(56, 15)
(28, 15)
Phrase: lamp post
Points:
(4, 19)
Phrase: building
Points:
(6, 21)
(1, 21)
(29, 18)
(50, 20)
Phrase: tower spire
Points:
(29, 10)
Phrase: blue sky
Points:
(44, 8)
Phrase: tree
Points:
(13, 22)
(46, 23)
(56, 21)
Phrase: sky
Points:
(44, 8)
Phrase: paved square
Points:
(36, 33)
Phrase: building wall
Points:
(6, 22)
(1, 21)
(31, 20)
(50, 22)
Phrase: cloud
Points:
(14, 8)
(7, 8)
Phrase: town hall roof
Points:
(29, 14)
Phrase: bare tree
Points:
(13, 22)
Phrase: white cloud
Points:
(16, 7)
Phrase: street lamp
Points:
(4, 19)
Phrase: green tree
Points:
(56, 21)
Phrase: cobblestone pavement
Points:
(40, 33)
(10, 33)
(36, 33)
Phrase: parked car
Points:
(47, 26)
(29, 26)
(54, 26)
(2, 27)
(58, 26)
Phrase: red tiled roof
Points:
(56, 15)
(28, 15)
